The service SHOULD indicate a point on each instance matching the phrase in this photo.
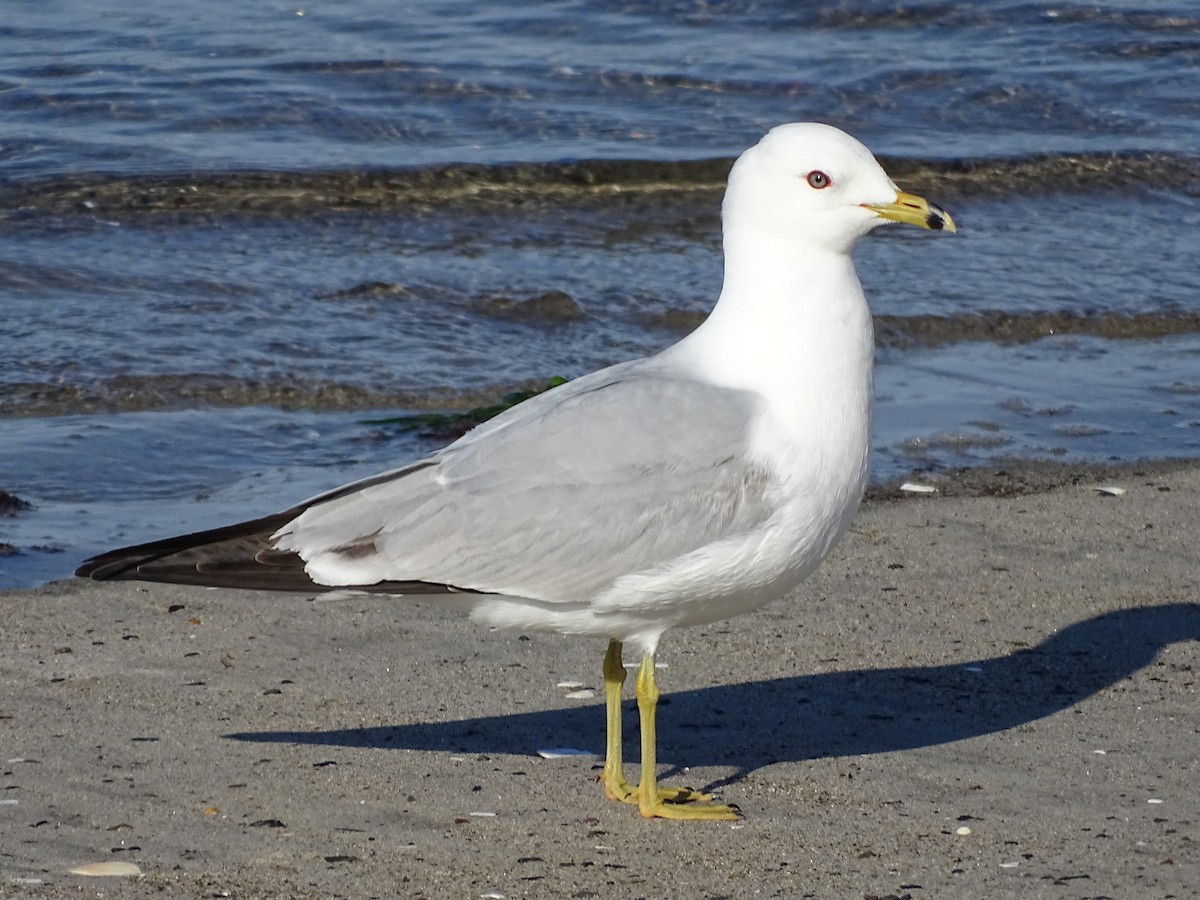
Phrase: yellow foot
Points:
(681, 794)
(620, 789)
(665, 809)
(625, 792)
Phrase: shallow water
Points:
(229, 236)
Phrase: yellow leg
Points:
(615, 785)
(652, 801)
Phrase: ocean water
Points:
(235, 236)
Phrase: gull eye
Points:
(818, 180)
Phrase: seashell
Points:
(561, 752)
(106, 869)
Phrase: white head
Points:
(815, 186)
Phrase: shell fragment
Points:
(107, 869)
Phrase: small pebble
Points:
(585, 694)
(484, 814)
(1154, 800)
(963, 830)
(570, 685)
(560, 752)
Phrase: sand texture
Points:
(976, 696)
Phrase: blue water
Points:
(163, 372)
(269, 85)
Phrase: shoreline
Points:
(989, 695)
(1013, 477)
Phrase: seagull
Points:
(678, 489)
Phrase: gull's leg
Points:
(669, 802)
(615, 785)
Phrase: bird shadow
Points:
(833, 714)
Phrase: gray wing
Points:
(616, 473)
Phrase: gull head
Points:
(813, 185)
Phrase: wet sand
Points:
(986, 692)
(640, 181)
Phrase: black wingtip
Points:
(138, 562)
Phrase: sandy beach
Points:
(989, 691)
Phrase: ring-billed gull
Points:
(679, 489)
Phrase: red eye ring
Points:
(818, 180)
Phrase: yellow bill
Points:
(914, 210)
